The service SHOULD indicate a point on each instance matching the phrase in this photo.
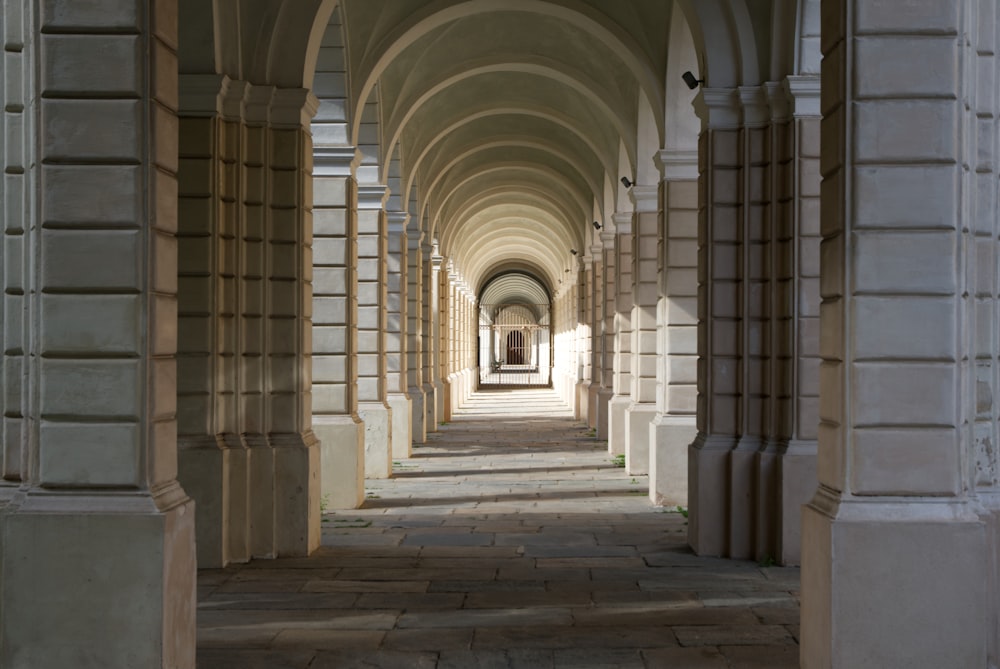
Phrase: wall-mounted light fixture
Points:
(628, 183)
(573, 251)
(691, 81)
(597, 226)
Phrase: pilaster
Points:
(372, 299)
(335, 335)
(414, 335)
(621, 397)
(674, 428)
(642, 409)
(596, 418)
(397, 383)
(719, 246)
(584, 339)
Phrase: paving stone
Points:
(761, 657)
(486, 618)
(328, 640)
(430, 640)
(541, 636)
(496, 659)
(380, 659)
(732, 635)
(253, 659)
(365, 586)
(563, 566)
(685, 658)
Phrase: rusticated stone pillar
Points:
(895, 552)
(395, 337)
(622, 327)
(673, 428)
(414, 334)
(642, 409)
(335, 335)
(596, 419)
(98, 550)
(372, 299)
(719, 242)
(584, 339)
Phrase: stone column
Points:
(584, 340)
(795, 319)
(895, 554)
(720, 201)
(752, 350)
(432, 403)
(289, 380)
(596, 323)
(255, 240)
(642, 409)
(372, 296)
(442, 333)
(414, 334)
(621, 385)
(674, 427)
(17, 197)
(205, 459)
(608, 316)
(98, 555)
(396, 340)
(335, 335)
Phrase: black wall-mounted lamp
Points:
(573, 251)
(597, 226)
(628, 183)
(691, 81)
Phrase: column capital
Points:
(646, 199)
(293, 108)
(397, 221)
(334, 161)
(755, 106)
(257, 104)
(202, 94)
(372, 196)
(718, 108)
(234, 99)
(437, 261)
(676, 165)
(803, 93)
(608, 236)
(623, 222)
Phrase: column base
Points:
(431, 406)
(638, 418)
(617, 413)
(418, 423)
(262, 512)
(593, 411)
(739, 490)
(238, 483)
(378, 439)
(202, 469)
(669, 438)
(795, 483)
(342, 460)
(129, 562)
(297, 488)
(892, 584)
(604, 413)
(581, 408)
(402, 425)
(707, 478)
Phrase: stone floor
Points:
(510, 539)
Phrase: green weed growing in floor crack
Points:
(618, 460)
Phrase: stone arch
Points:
(724, 37)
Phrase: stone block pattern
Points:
(14, 194)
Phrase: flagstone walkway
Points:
(510, 539)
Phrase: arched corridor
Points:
(509, 539)
(256, 252)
